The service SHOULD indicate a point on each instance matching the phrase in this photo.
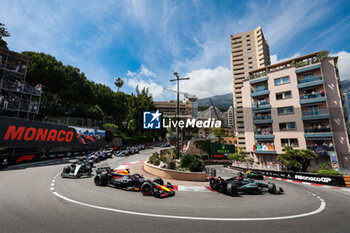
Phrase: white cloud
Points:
(155, 89)
(343, 64)
(274, 58)
(143, 72)
(208, 82)
(138, 79)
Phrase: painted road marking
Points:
(317, 211)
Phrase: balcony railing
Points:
(260, 147)
(259, 89)
(262, 117)
(263, 132)
(318, 112)
(312, 96)
(307, 80)
(260, 104)
(318, 130)
(311, 147)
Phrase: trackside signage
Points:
(21, 133)
(306, 177)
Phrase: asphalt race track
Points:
(35, 198)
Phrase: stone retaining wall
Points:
(173, 174)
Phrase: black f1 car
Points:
(122, 179)
(77, 169)
(253, 175)
(240, 184)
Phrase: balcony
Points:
(315, 114)
(309, 82)
(260, 92)
(263, 134)
(262, 119)
(258, 80)
(308, 68)
(319, 133)
(261, 148)
(261, 105)
(312, 98)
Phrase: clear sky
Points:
(145, 42)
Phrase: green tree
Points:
(296, 160)
(118, 82)
(3, 33)
(220, 133)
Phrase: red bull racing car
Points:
(122, 179)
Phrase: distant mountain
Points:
(223, 102)
(345, 85)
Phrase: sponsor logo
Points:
(312, 178)
(25, 158)
(151, 120)
(22, 133)
(52, 156)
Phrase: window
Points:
(249, 53)
(259, 45)
(247, 35)
(287, 126)
(283, 80)
(260, 50)
(249, 44)
(248, 40)
(250, 58)
(250, 67)
(249, 49)
(250, 62)
(285, 110)
(293, 142)
(284, 95)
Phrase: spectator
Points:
(0, 60)
(6, 103)
(1, 98)
(17, 66)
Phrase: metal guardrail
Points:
(210, 171)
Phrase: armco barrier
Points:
(306, 177)
(36, 157)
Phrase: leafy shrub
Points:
(313, 171)
(172, 165)
(325, 166)
(154, 158)
(156, 162)
(193, 162)
(329, 172)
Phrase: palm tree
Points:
(118, 82)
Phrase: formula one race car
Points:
(253, 175)
(122, 179)
(77, 169)
(240, 184)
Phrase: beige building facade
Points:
(249, 51)
(295, 103)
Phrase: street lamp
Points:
(178, 79)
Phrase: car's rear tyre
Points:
(159, 180)
(100, 180)
(146, 189)
(231, 189)
(271, 187)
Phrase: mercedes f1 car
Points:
(77, 169)
(240, 184)
(253, 175)
(122, 179)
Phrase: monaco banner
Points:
(22, 133)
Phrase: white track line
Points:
(317, 211)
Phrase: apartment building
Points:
(296, 103)
(249, 51)
(169, 108)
